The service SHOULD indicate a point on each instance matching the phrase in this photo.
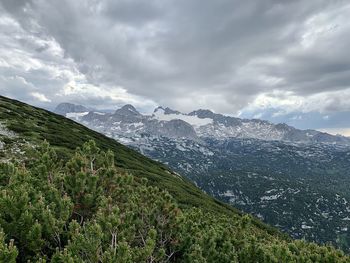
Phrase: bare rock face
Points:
(64, 108)
(127, 110)
(172, 129)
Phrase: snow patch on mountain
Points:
(270, 197)
(76, 115)
(160, 115)
(196, 125)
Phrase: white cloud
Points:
(41, 97)
(335, 131)
(289, 102)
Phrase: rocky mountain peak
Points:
(171, 111)
(166, 110)
(64, 108)
(127, 110)
(201, 123)
(284, 126)
(159, 108)
(202, 113)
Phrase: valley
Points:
(295, 180)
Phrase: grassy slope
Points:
(34, 125)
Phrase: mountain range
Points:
(67, 192)
(194, 125)
(296, 180)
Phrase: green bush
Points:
(89, 210)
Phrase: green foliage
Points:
(34, 125)
(89, 210)
(58, 204)
(33, 211)
(8, 252)
(65, 136)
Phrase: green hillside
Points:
(34, 125)
(54, 206)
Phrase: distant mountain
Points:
(70, 213)
(66, 108)
(127, 110)
(296, 180)
(303, 189)
(197, 124)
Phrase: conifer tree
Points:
(88, 210)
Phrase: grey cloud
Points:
(132, 12)
(189, 54)
(15, 6)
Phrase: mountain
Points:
(205, 124)
(127, 110)
(23, 126)
(69, 204)
(66, 108)
(61, 203)
(265, 169)
(303, 189)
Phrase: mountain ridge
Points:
(205, 124)
(219, 232)
(227, 157)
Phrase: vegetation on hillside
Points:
(86, 209)
(32, 126)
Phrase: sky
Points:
(283, 61)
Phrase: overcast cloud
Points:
(279, 60)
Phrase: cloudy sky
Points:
(285, 61)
